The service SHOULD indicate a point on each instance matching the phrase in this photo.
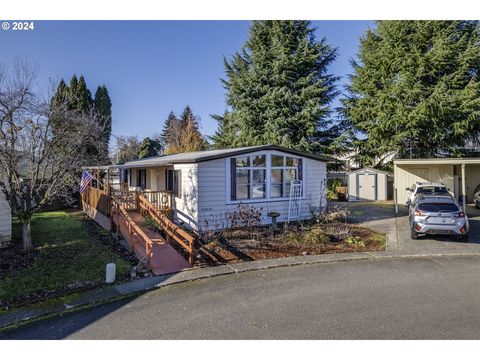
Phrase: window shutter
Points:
(166, 179)
(300, 169)
(233, 179)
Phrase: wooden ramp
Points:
(164, 258)
(148, 245)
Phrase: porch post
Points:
(464, 198)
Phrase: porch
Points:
(117, 205)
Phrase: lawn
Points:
(66, 258)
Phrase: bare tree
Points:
(127, 149)
(37, 164)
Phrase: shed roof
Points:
(371, 169)
(437, 161)
(200, 156)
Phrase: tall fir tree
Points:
(102, 106)
(278, 88)
(84, 101)
(415, 89)
(78, 97)
(165, 136)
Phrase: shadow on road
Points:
(70, 323)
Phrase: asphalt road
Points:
(422, 298)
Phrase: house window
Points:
(173, 182)
(248, 175)
(283, 170)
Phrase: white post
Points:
(464, 197)
(110, 273)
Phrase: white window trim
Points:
(268, 168)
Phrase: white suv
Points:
(427, 188)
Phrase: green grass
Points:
(66, 255)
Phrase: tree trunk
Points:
(27, 234)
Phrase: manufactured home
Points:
(5, 221)
(208, 186)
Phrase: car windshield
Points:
(438, 207)
(432, 190)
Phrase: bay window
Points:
(261, 176)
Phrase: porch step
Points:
(165, 259)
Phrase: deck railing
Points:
(96, 199)
(128, 198)
(134, 235)
(172, 230)
(163, 200)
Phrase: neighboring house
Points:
(210, 185)
(5, 221)
(348, 161)
(369, 184)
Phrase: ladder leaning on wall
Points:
(294, 204)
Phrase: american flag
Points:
(86, 180)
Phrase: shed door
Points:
(366, 186)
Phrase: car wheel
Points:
(462, 238)
(413, 234)
(477, 205)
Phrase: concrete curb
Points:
(131, 288)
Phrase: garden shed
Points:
(368, 184)
(5, 221)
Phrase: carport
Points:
(460, 175)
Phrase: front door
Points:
(367, 190)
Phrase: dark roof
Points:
(200, 156)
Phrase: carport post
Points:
(464, 198)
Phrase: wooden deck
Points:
(127, 211)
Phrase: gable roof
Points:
(371, 170)
(200, 156)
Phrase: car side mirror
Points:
(408, 189)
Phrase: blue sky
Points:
(153, 67)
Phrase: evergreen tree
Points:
(83, 97)
(415, 89)
(149, 148)
(61, 95)
(77, 96)
(225, 134)
(278, 88)
(165, 136)
(102, 106)
(184, 134)
(73, 86)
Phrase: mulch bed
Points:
(258, 244)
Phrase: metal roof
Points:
(433, 161)
(200, 156)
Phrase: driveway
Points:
(402, 298)
(381, 216)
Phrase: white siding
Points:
(214, 204)
(186, 206)
(5, 220)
